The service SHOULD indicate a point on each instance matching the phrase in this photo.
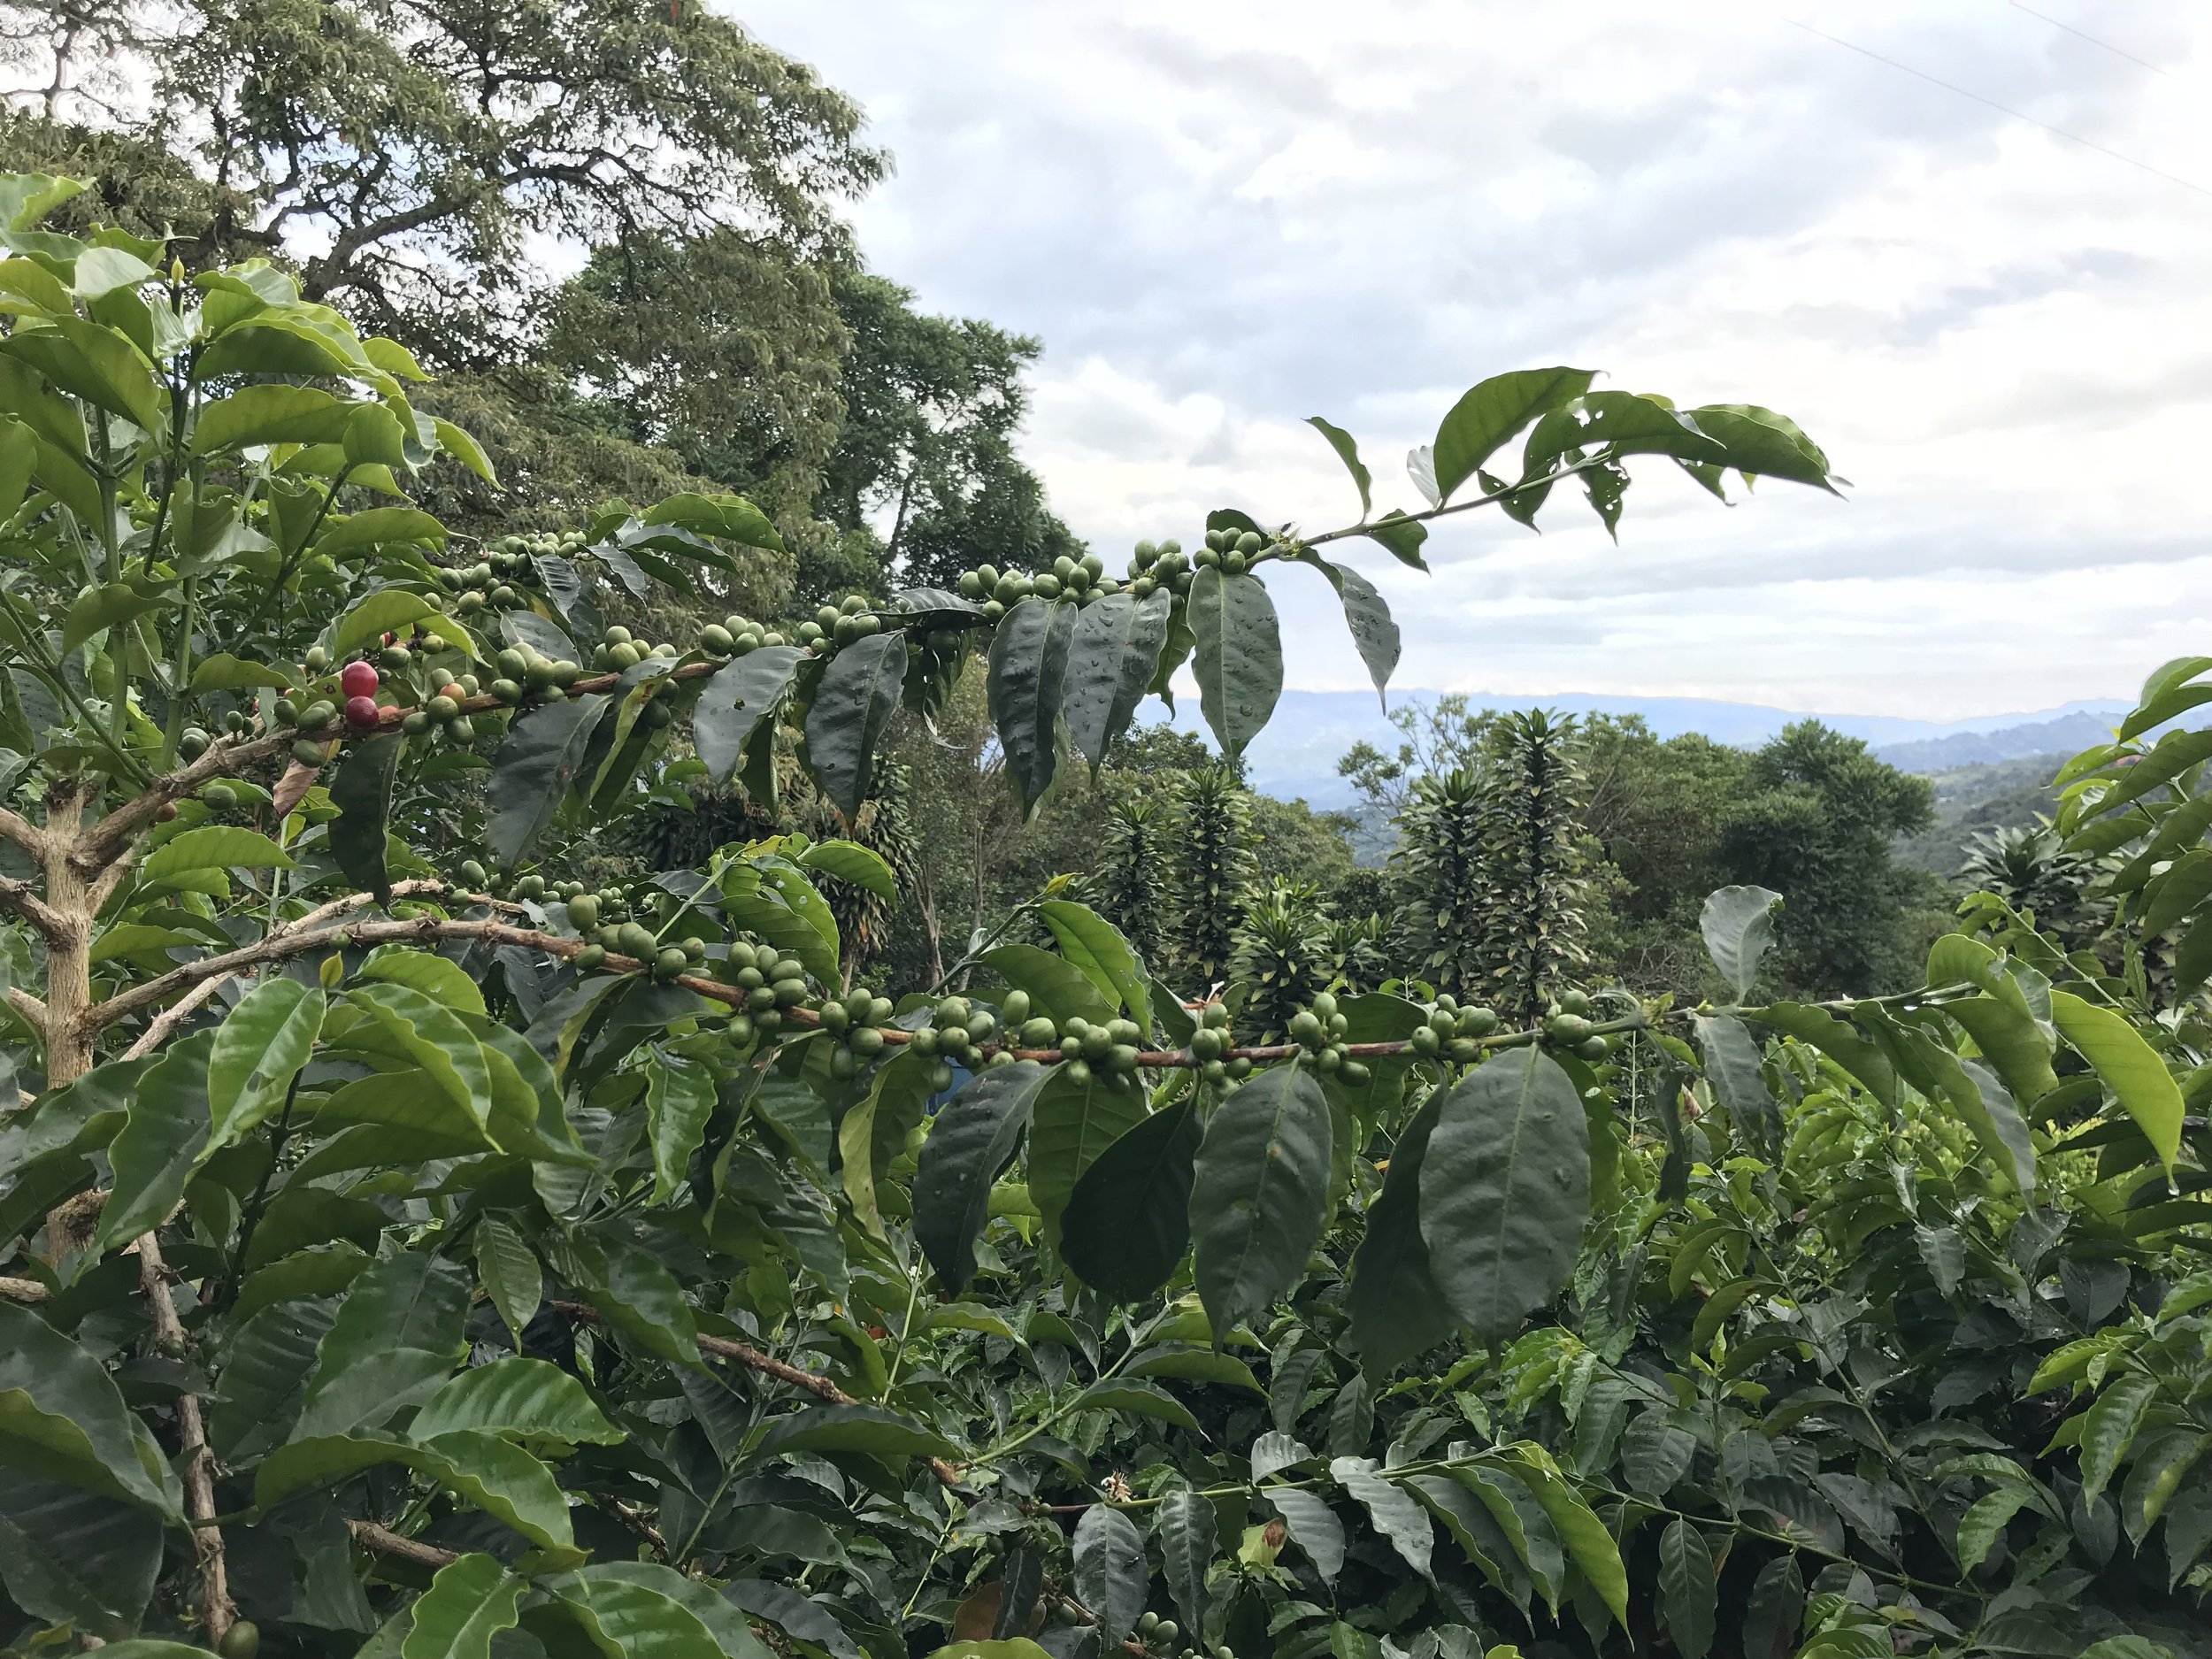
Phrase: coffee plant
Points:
(417, 1242)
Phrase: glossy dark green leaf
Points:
(1478, 1532)
(1397, 1514)
(1763, 444)
(1028, 669)
(266, 1366)
(502, 1479)
(530, 1401)
(362, 792)
(1777, 1605)
(533, 770)
(1098, 947)
(70, 1556)
(1074, 1121)
(1491, 413)
(1738, 925)
(396, 1339)
(640, 1298)
(1732, 1065)
(1688, 1595)
(1505, 1189)
(1127, 1223)
(470, 1601)
(62, 1419)
(509, 1272)
(409, 1024)
(1238, 655)
(1137, 1398)
(1397, 1310)
(1623, 423)
(728, 517)
(154, 1152)
(1056, 986)
(1401, 537)
(1261, 1192)
(859, 691)
(1347, 449)
(733, 1636)
(1374, 631)
(679, 1098)
(258, 1050)
(1112, 655)
(1111, 1573)
(1314, 1528)
(974, 1135)
(108, 607)
(1838, 1040)
(1185, 1524)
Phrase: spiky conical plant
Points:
(1282, 953)
(1436, 880)
(1530, 920)
(883, 827)
(1211, 871)
(1359, 952)
(1131, 876)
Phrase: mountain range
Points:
(1296, 755)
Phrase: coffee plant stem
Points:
(195, 1460)
(1469, 505)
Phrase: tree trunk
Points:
(69, 954)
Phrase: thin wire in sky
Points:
(2084, 34)
(2004, 109)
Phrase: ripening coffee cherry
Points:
(357, 679)
(361, 712)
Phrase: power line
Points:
(2084, 34)
(2004, 109)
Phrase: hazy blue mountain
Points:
(1296, 755)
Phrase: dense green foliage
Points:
(417, 1241)
(1646, 828)
(722, 334)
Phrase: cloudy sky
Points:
(1224, 216)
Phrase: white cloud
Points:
(1222, 218)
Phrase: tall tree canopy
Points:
(435, 165)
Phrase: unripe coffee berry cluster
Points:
(1231, 549)
(1453, 1032)
(958, 1030)
(1319, 1029)
(1568, 1025)
(856, 1022)
(1210, 1045)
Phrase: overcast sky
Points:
(1222, 217)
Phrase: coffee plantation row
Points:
(418, 1241)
